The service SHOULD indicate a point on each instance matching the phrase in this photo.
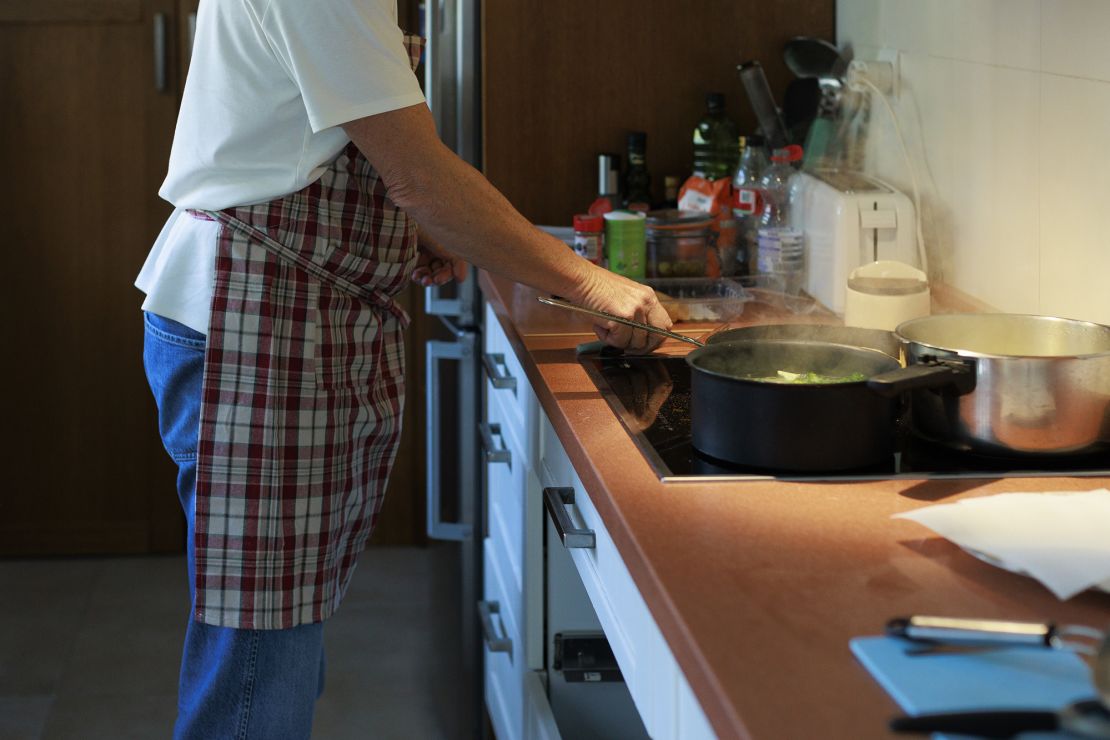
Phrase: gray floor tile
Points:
(111, 717)
(130, 642)
(46, 602)
(23, 717)
(396, 574)
(94, 649)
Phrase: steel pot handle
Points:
(956, 377)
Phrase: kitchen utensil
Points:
(1088, 719)
(763, 103)
(740, 419)
(1006, 384)
(812, 57)
(560, 303)
(998, 633)
(885, 293)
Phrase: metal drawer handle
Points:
(499, 378)
(493, 453)
(161, 49)
(556, 501)
(486, 610)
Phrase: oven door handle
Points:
(461, 350)
(556, 500)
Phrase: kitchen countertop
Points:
(757, 586)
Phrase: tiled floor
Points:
(89, 648)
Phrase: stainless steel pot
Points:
(1006, 383)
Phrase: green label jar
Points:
(625, 241)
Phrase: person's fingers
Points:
(461, 270)
(616, 335)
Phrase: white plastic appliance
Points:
(849, 219)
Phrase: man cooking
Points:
(303, 162)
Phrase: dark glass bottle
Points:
(716, 141)
(637, 180)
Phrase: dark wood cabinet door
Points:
(85, 138)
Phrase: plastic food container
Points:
(677, 244)
(700, 299)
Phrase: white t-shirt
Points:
(269, 83)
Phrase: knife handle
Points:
(984, 724)
(949, 630)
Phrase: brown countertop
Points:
(758, 586)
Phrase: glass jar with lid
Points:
(677, 243)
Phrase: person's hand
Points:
(436, 266)
(607, 291)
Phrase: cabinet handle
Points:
(500, 379)
(502, 644)
(556, 501)
(192, 32)
(160, 64)
(493, 453)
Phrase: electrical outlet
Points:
(892, 56)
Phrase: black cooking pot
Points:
(853, 336)
(743, 419)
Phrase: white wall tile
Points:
(1076, 38)
(1000, 32)
(1075, 200)
(1017, 211)
(859, 23)
(918, 26)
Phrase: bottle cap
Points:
(637, 140)
(795, 152)
(715, 101)
(780, 155)
(588, 222)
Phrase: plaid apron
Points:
(302, 395)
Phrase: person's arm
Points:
(460, 209)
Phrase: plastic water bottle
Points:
(781, 249)
(716, 141)
(747, 201)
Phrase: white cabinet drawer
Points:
(506, 493)
(503, 671)
(506, 384)
(645, 659)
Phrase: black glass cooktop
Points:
(651, 395)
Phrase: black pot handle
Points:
(956, 377)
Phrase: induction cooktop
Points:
(651, 396)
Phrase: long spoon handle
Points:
(628, 322)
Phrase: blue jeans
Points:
(235, 683)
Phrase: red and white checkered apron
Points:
(302, 395)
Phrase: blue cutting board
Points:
(1013, 678)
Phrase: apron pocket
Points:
(350, 342)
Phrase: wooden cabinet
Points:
(85, 138)
(91, 92)
(563, 81)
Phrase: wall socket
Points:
(887, 54)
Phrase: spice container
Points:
(588, 232)
(624, 243)
(677, 244)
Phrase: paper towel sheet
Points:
(1060, 538)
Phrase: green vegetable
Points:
(786, 377)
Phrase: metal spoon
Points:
(627, 322)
